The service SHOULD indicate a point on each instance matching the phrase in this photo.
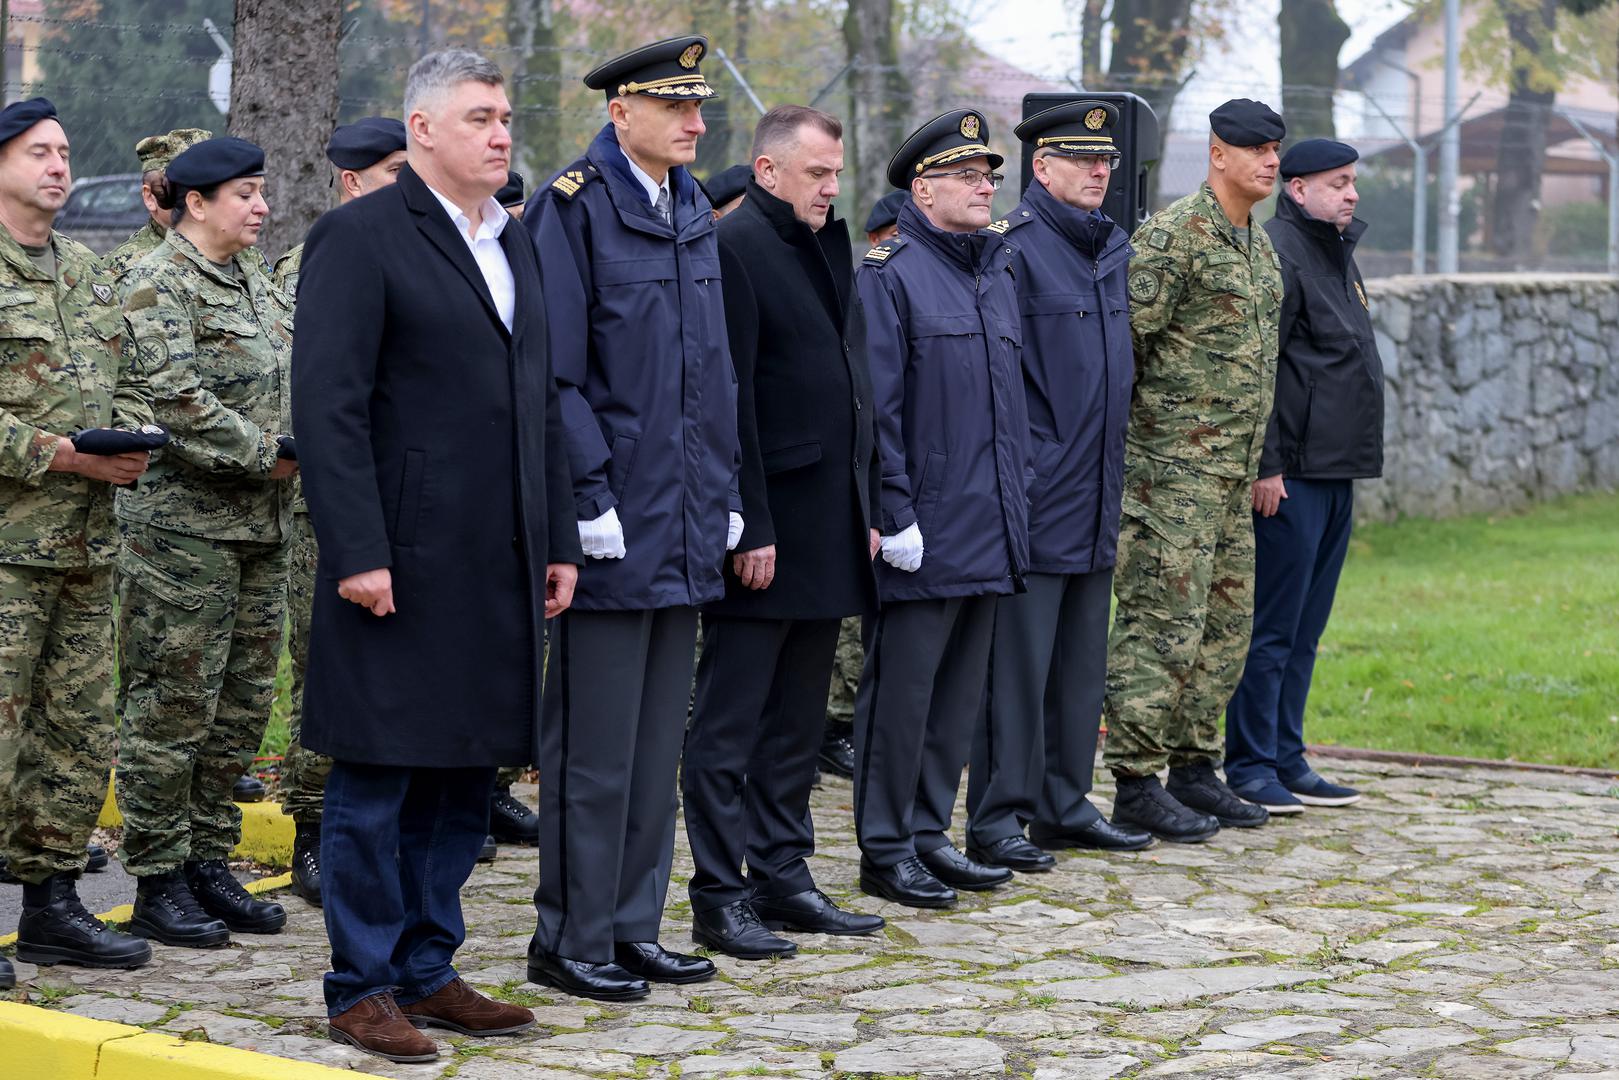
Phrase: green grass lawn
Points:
(1493, 637)
(1485, 636)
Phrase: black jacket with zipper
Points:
(1327, 423)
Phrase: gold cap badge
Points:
(1095, 119)
(969, 126)
(689, 58)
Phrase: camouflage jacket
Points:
(140, 244)
(64, 366)
(218, 353)
(285, 276)
(1205, 314)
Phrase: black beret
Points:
(1075, 127)
(885, 211)
(665, 69)
(949, 137)
(103, 441)
(727, 184)
(1317, 155)
(286, 448)
(1245, 122)
(365, 142)
(19, 116)
(214, 161)
(511, 192)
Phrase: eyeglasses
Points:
(970, 177)
(1090, 161)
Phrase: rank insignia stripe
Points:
(1158, 240)
(999, 226)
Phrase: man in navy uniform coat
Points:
(1033, 757)
(943, 347)
(627, 248)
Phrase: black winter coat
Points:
(1327, 423)
(809, 467)
(429, 442)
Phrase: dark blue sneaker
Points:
(1271, 795)
(1311, 790)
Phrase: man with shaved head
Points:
(1206, 295)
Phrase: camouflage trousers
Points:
(851, 657)
(56, 719)
(1185, 591)
(303, 772)
(201, 626)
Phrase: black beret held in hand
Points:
(107, 441)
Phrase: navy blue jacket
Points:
(637, 331)
(1077, 371)
(943, 340)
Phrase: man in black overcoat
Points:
(809, 475)
(430, 442)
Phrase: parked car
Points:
(101, 211)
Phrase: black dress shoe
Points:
(598, 982)
(248, 788)
(735, 930)
(95, 858)
(907, 882)
(167, 912)
(223, 897)
(650, 961)
(1014, 853)
(306, 862)
(1141, 801)
(8, 974)
(813, 912)
(1100, 834)
(489, 850)
(959, 872)
(1198, 787)
(55, 929)
(510, 819)
(837, 755)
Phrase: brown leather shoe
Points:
(459, 1007)
(376, 1026)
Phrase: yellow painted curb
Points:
(38, 1044)
(266, 831)
(123, 912)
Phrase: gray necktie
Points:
(662, 206)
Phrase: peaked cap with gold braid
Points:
(949, 137)
(664, 69)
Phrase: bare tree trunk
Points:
(1150, 43)
(1521, 157)
(879, 99)
(535, 89)
(1091, 23)
(1311, 36)
(283, 96)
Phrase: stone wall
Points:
(1502, 389)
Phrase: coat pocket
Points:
(167, 588)
(791, 457)
(409, 509)
(621, 464)
(928, 486)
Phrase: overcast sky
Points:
(1042, 37)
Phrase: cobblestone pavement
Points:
(1457, 924)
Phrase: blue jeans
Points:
(396, 845)
(1298, 553)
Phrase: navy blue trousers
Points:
(1298, 554)
(396, 845)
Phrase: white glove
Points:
(602, 538)
(904, 550)
(733, 531)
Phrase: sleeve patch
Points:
(1145, 284)
(1158, 239)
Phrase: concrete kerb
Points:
(38, 1044)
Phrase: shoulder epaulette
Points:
(884, 251)
(999, 226)
(571, 180)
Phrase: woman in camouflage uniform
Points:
(204, 563)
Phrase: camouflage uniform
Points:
(140, 244)
(851, 657)
(206, 534)
(1205, 311)
(64, 366)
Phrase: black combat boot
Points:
(1198, 787)
(510, 819)
(248, 788)
(306, 861)
(1142, 801)
(95, 858)
(8, 974)
(167, 912)
(55, 929)
(223, 897)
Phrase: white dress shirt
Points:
(651, 185)
(487, 252)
